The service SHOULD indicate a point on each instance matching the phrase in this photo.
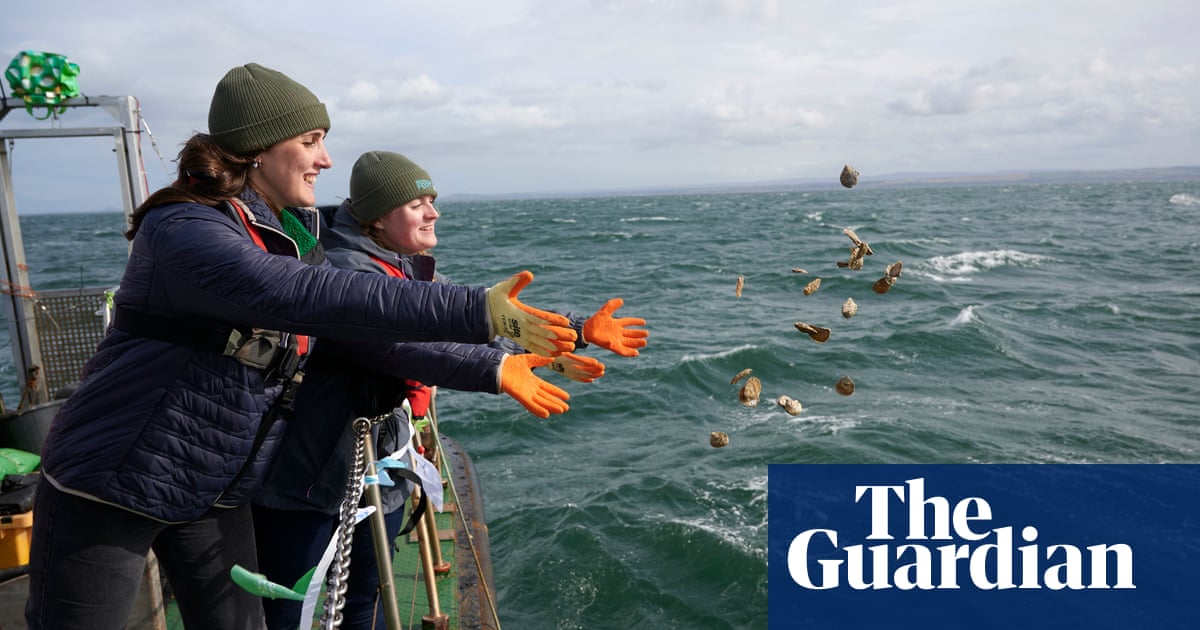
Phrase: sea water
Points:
(1055, 323)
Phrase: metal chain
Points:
(339, 569)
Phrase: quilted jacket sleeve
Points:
(464, 367)
(202, 266)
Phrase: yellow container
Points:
(15, 532)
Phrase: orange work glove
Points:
(538, 331)
(577, 368)
(538, 396)
(616, 335)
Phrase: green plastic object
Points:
(43, 79)
(17, 462)
(258, 584)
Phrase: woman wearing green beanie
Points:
(175, 418)
(388, 227)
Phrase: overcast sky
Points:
(516, 96)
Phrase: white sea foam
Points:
(831, 423)
(967, 263)
(733, 524)
(965, 316)
(922, 240)
(1184, 199)
(658, 218)
(614, 235)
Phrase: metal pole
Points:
(435, 620)
(439, 564)
(383, 548)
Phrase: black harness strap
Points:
(418, 510)
(185, 332)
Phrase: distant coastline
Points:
(869, 181)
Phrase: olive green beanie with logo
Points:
(254, 107)
(381, 181)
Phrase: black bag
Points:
(17, 493)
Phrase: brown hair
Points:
(208, 175)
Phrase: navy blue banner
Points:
(984, 546)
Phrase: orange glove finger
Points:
(577, 368)
(617, 335)
(537, 396)
(542, 332)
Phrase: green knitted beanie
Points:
(381, 181)
(254, 107)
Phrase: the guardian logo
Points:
(983, 546)
(945, 545)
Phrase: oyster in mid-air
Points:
(849, 308)
(818, 333)
(790, 405)
(861, 248)
(890, 273)
(750, 392)
(812, 287)
(739, 376)
(741, 282)
(718, 439)
(849, 176)
(845, 386)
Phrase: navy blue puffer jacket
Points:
(161, 428)
(348, 380)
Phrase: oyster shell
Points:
(750, 391)
(849, 176)
(741, 282)
(849, 308)
(812, 287)
(718, 439)
(861, 248)
(798, 270)
(858, 242)
(845, 386)
(890, 273)
(790, 405)
(739, 376)
(818, 333)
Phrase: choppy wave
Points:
(658, 219)
(1185, 199)
(728, 352)
(965, 316)
(967, 263)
